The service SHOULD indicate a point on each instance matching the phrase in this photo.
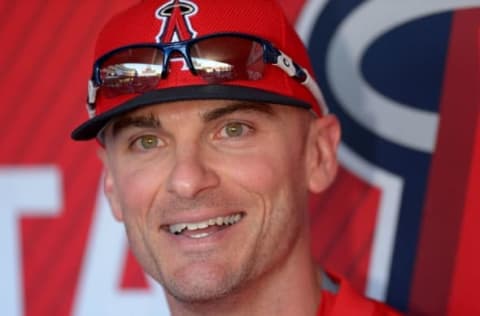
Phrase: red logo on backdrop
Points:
(176, 25)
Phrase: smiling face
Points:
(214, 194)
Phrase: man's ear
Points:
(322, 164)
(109, 186)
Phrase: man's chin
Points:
(201, 288)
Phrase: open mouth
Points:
(204, 228)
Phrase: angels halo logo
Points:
(176, 25)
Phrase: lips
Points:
(204, 228)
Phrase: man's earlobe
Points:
(109, 186)
(322, 163)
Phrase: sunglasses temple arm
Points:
(315, 90)
(286, 64)
(92, 96)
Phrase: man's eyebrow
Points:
(237, 106)
(149, 121)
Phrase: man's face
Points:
(213, 194)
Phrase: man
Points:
(213, 135)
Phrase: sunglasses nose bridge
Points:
(179, 48)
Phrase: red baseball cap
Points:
(166, 21)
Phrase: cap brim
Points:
(90, 128)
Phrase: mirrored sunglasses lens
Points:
(134, 70)
(225, 58)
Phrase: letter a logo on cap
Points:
(176, 25)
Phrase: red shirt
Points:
(348, 302)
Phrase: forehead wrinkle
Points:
(237, 106)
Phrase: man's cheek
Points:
(256, 174)
(136, 191)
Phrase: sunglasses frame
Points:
(271, 55)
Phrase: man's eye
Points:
(234, 129)
(146, 142)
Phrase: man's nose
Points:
(191, 173)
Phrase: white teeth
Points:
(220, 221)
(201, 235)
(192, 226)
(203, 225)
(177, 228)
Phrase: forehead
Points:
(182, 114)
(206, 110)
(198, 107)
